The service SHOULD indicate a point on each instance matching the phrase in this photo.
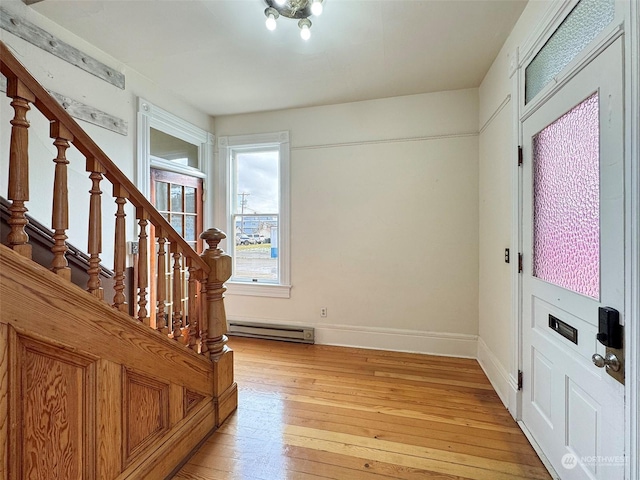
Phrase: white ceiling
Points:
(219, 56)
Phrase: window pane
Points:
(581, 26)
(190, 228)
(256, 251)
(190, 199)
(176, 198)
(162, 196)
(176, 223)
(566, 223)
(257, 182)
(173, 149)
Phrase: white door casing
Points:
(575, 411)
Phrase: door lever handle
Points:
(610, 361)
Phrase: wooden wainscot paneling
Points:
(52, 411)
(175, 446)
(109, 427)
(145, 407)
(225, 390)
(34, 300)
(191, 399)
(176, 404)
(4, 401)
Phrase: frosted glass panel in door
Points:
(566, 191)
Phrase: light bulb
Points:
(305, 33)
(305, 25)
(316, 7)
(271, 22)
(271, 14)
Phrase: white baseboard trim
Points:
(398, 340)
(393, 339)
(497, 375)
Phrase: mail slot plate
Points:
(564, 329)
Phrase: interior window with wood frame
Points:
(179, 199)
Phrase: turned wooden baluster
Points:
(120, 249)
(192, 316)
(220, 271)
(143, 282)
(60, 213)
(95, 228)
(176, 319)
(203, 323)
(18, 191)
(161, 291)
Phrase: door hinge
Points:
(519, 156)
(519, 379)
(519, 263)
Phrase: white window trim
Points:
(223, 202)
(151, 116)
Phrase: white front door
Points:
(573, 263)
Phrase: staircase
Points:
(94, 386)
(42, 241)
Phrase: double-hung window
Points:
(257, 212)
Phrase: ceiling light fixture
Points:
(299, 10)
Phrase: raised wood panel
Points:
(175, 446)
(145, 410)
(191, 399)
(54, 417)
(225, 390)
(223, 368)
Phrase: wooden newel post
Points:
(220, 271)
(214, 327)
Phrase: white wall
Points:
(497, 155)
(62, 77)
(415, 205)
(384, 222)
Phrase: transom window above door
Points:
(173, 149)
(167, 142)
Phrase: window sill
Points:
(258, 290)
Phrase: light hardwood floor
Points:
(310, 412)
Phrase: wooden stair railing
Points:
(202, 327)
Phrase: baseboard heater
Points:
(287, 333)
